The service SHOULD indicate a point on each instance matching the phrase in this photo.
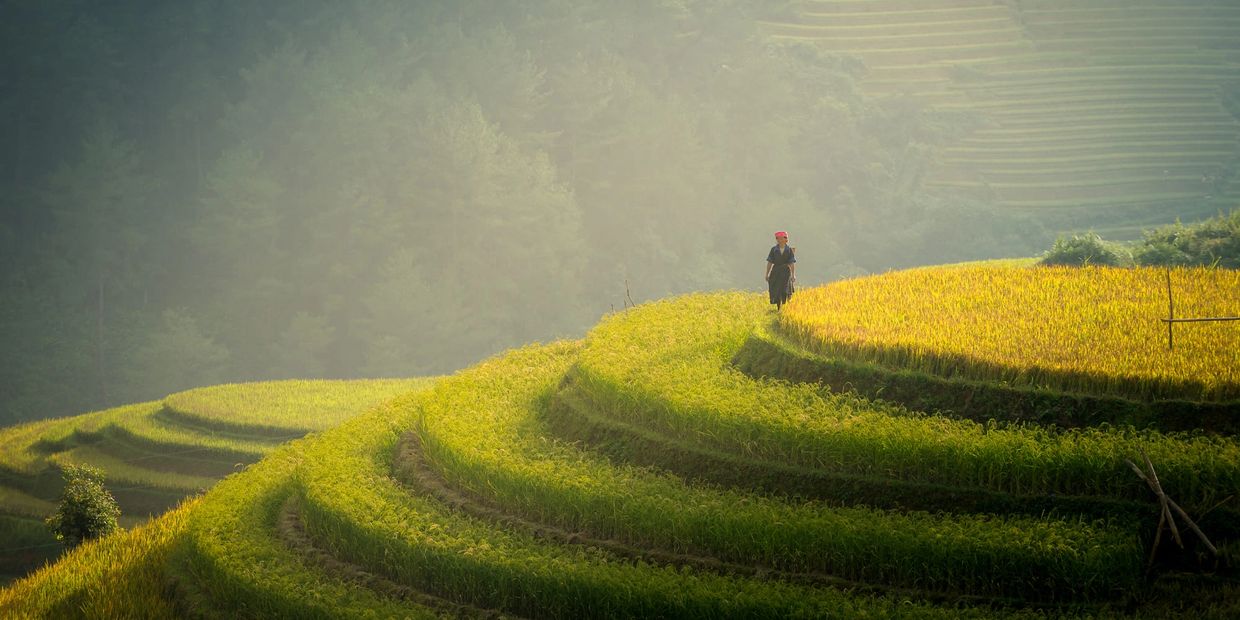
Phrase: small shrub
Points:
(87, 510)
(1161, 252)
(1214, 242)
(1086, 249)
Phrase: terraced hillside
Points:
(650, 470)
(155, 454)
(1089, 111)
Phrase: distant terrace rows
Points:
(1081, 104)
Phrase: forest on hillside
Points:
(213, 191)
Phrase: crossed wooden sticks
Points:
(1166, 518)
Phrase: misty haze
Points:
(205, 191)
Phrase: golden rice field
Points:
(1092, 330)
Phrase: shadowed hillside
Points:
(205, 192)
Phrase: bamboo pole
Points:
(1202, 320)
(1163, 500)
(1166, 505)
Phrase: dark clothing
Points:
(780, 284)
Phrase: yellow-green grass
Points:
(118, 444)
(127, 576)
(481, 430)
(157, 437)
(18, 453)
(768, 353)
(161, 429)
(17, 502)
(287, 408)
(145, 474)
(24, 448)
(352, 507)
(150, 459)
(234, 561)
(118, 576)
(32, 450)
(1093, 330)
(666, 366)
(136, 444)
(1020, 261)
(122, 472)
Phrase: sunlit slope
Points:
(1075, 347)
(1091, 330)
(1082, 104)
(154, 454)
(639, 473)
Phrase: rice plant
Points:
(1086, 330)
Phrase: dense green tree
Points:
(87, 510)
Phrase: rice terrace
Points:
(639, 472)
(911, 433)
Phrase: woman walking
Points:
(781, 270)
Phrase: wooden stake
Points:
(1166, 505)
(1193, 526)
(1162, 520)
(1163, 500)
